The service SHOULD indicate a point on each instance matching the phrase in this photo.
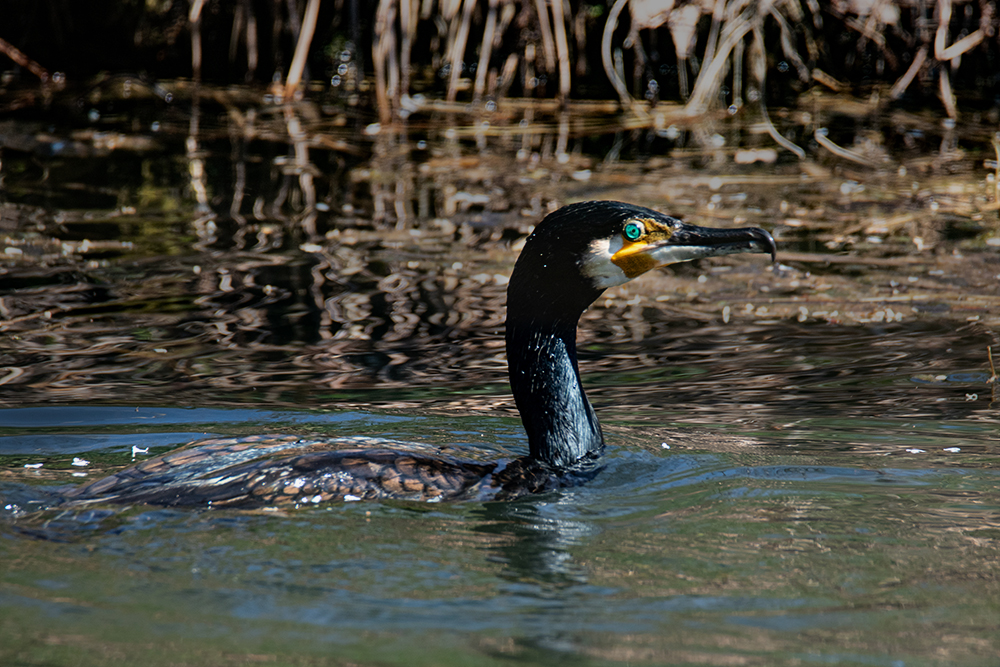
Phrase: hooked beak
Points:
(692, 242)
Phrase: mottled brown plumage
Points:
(286, 471)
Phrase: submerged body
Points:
(283, 471)
(567, 262)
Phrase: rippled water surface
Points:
(802, 456)
(844, 541)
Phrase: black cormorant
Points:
(572, 256)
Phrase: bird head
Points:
(582, 249)
(640, 239)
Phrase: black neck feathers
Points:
(545, 297)
(545, 380)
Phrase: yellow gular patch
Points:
(634, 258)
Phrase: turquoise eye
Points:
(633, 231)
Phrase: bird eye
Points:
(633, 231)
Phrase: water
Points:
(762, 548)
(802, 457)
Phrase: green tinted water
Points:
(721, 548)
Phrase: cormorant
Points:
(572, 256)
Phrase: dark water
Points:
(802, 457)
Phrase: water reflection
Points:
(534, 547)
(296, 254)
(535, 542)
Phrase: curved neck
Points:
(545, 381)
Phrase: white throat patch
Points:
(596, 263)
